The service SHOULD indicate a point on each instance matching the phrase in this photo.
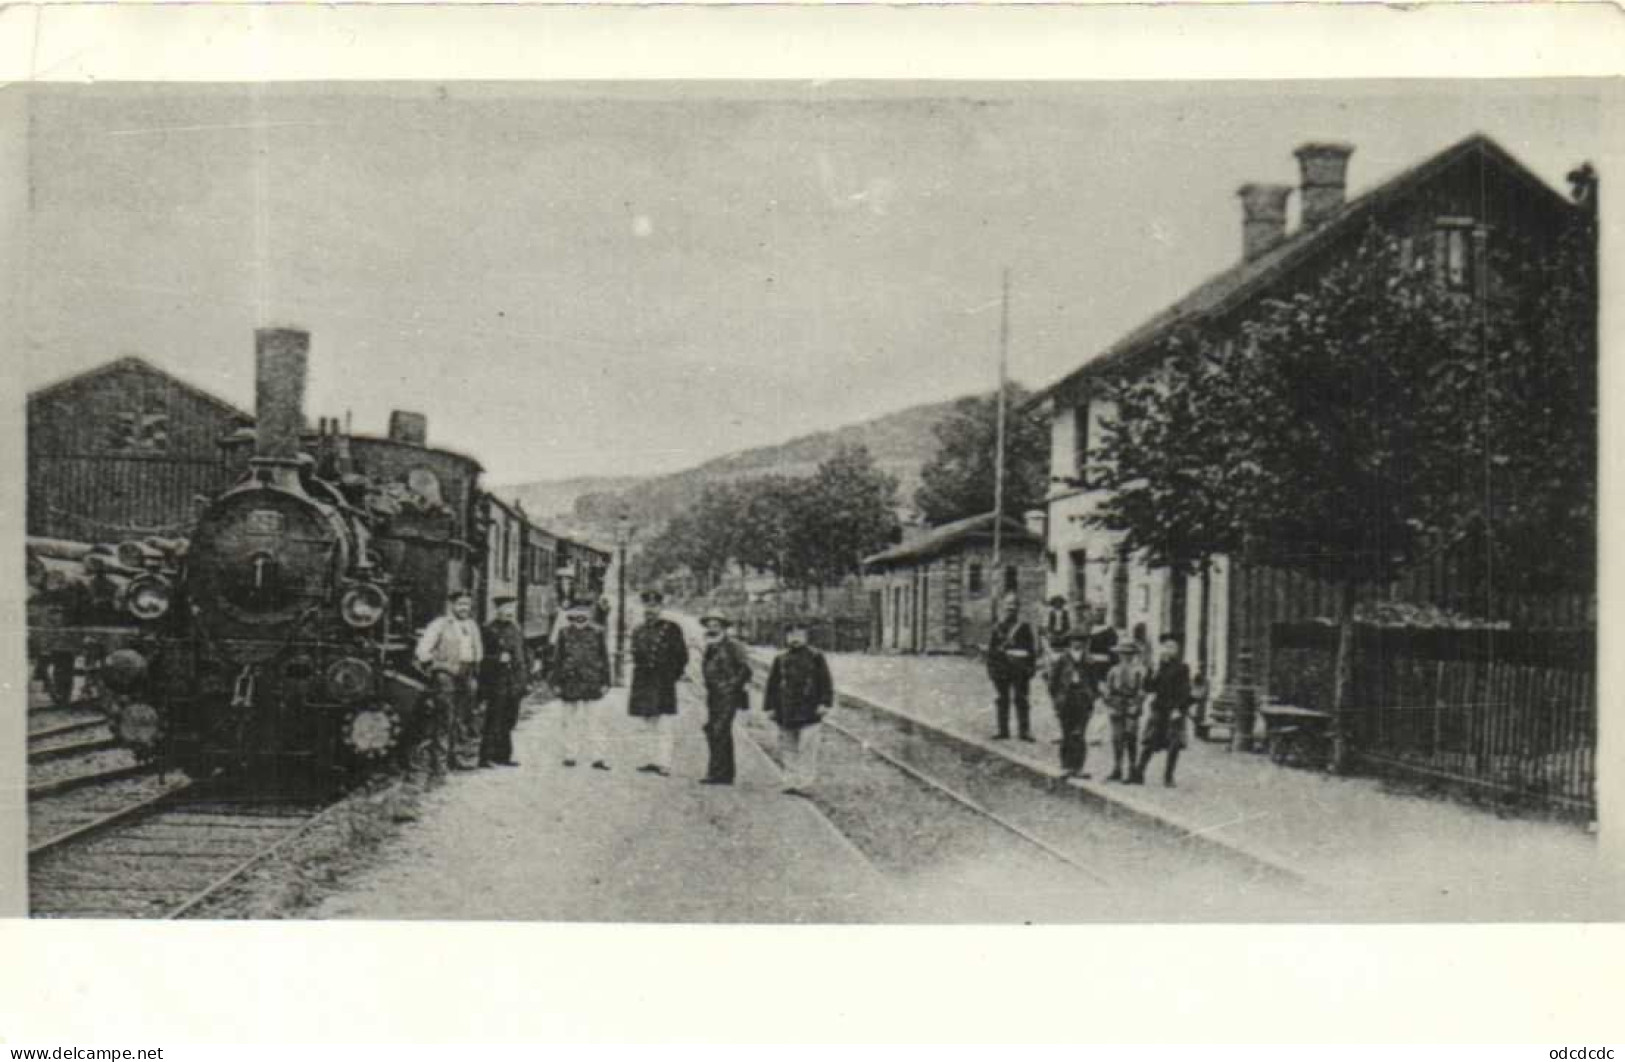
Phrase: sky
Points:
(632, 278)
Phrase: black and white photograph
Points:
(783, 502)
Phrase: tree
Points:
(847, 511)
(957, 482)
(1348, 427)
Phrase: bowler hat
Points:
(504, 599)
(579, 606)
(653, 597)
(716, 617)
(1058, 601)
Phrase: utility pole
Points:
(998, 448)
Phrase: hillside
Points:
(899, 443)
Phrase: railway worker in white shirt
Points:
(451, 650)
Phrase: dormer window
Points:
(1453, 258)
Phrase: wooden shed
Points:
(934, 593)
(121, 450)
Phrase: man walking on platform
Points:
(450, 650)
(1012, 654)
(1123, 689)
(504, 681)
(726, 669)
(799, 695)
(1169, 697)
(1072, 688)
(659, 658)
(581, 677)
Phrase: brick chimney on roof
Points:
(1324, 169)
(1263, 217)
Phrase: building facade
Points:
(124, 450)
(936, 593)
(1445, 210)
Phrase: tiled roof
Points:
(1228, 289)
(939, 539)
(132, 362)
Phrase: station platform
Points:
(544, 842)
(1374, 852)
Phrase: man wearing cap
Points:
(450, 650)
(1122, 691)
(799, 694)
(726, 669)
(659, 658)
(1168, 702)
(1072, 689)
(503, 680)
(1011, 657)
(1057, 624)
(581, 677)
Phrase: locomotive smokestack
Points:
(281, 358)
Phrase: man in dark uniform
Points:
(726, 670)
(800, 693)
(1012, 654)
(1072, 688)
(1169, 695)
(659, 658)
(504, 677)
(581, 678)
(1057, 624)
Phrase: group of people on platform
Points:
(479, 676)
(1087, 669)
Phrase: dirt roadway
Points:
(546, 842)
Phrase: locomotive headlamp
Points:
(363, 606)
(349, 679)
(148, 596)
(372, 731)
(138, 726)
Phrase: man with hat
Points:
(503, 680)
(726, 670)
(1072, 689)
(1168, 702)
(450, 650)
(581, 677)
(659, 658)
(1122, 691)
(1012, 653)
(799, 694)
(1057, 624)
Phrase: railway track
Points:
(162, 856)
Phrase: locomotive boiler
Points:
(283, 641)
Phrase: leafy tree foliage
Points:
(958, 481)
(807, 531)
(1357, 423)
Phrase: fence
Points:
(1508, 712)
(841, 623)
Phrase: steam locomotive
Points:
(278, 636)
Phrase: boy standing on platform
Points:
(1168, 700)
(1122, 691)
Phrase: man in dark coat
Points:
(1057, 624)
(1072, 688)
(504, 679)
(799, 695)
(726, 670)
(581, 677)
(1012, 654)
(659, 658)
(1168, 696)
